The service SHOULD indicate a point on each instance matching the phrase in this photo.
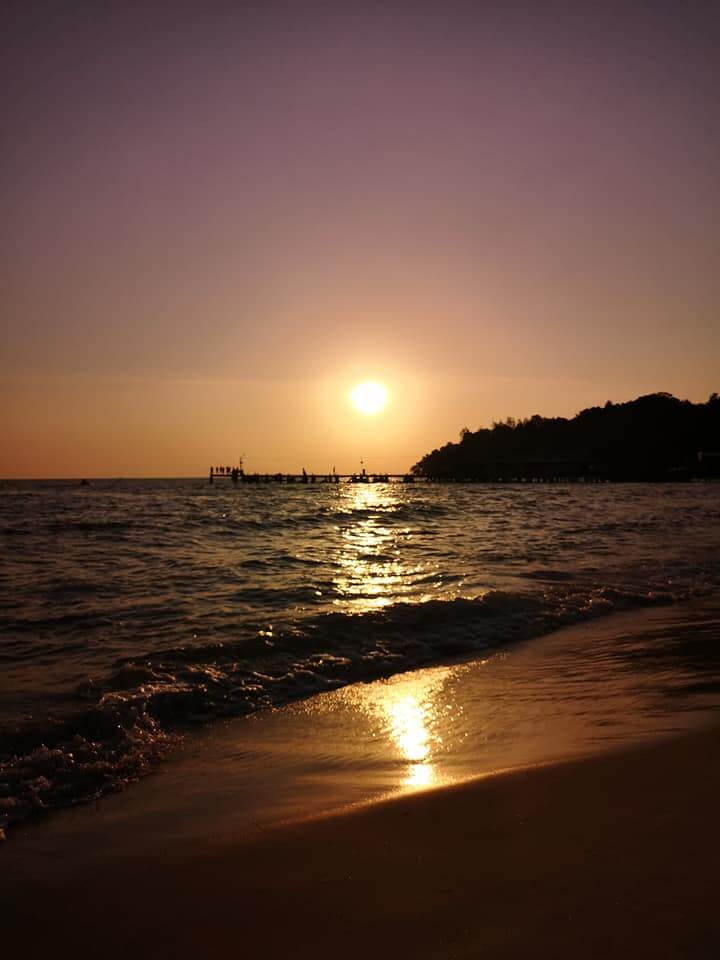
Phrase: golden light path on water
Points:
(509, 706)
(409, 711)
(372, 573)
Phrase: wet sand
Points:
(616, 854)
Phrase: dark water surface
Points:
(133, 610)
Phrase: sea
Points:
(135, 614)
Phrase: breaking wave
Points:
(132, 612)
(118, 728)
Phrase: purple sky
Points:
(217, 217)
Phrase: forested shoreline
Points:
(654, 437)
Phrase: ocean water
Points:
(132, 612)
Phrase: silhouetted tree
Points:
(655, 437)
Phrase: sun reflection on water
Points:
(370, 571)
(410, 711)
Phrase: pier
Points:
(238, 475)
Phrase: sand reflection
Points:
(412, 711)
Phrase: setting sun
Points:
(369, 397)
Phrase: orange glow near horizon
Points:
(323, 244)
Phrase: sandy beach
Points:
(612, 854)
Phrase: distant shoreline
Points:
(464, 481)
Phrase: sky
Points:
(219, 217)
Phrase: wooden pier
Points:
(238, 475)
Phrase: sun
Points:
(369, 397)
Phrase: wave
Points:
(120, 726)
(228, 523)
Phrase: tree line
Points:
(654, 437)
